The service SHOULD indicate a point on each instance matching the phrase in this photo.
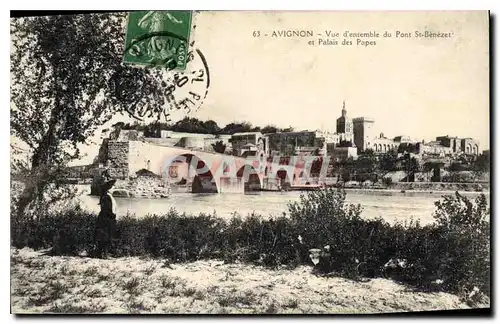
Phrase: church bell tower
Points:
(344, 124)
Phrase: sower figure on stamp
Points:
(106, 221)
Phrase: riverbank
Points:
(454, 258)
(48, 284)
(424, 187)
(440, 186)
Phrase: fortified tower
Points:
(363, 132)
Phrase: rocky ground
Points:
(46, 284)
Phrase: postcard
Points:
(250, 162)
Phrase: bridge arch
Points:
(203, 180)
(285, 175)
(252, 179)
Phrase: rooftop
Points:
(363, 119)
(246, 133)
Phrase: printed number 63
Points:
(256, 33)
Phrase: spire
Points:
(344, 111)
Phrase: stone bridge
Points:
(211, 172)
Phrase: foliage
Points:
(407, 148)
(269, 129)
(387, 181)
(482, 163)
(388, 162)
(243, 127)
(457, 167)
(451, 254)
(219, 147)
(68, 79)
(194, 125)
(465, 231)
(464, 177)
(366, 164)
(411, 166)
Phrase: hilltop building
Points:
(382, 144)
(344, 127)
(363, 132)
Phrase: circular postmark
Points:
(163, 43)
(183, 92)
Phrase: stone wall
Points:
(363, 132)
(117, 155)
(469, 146)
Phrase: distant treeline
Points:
(194, 125)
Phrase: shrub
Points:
(453, 251)
(387, 181)
(465, 231)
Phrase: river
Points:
(390, 205)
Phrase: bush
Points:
(465, 232)
(452, 252)
(387, 181)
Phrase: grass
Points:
(195, 287)
(132, 286)
(246, 298)
(91, 271)
(292, 303)
(454, 250)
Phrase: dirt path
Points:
(132, 285)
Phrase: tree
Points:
(457, 167)
(388, 162)
(232, 128)
(411, 166)
(211, 127)
(365, 164)
(407, 147)
(219, 147)
(68, 79)
(269, 129)
(482, 163)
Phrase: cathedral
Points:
(344, 131)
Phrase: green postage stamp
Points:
(158, 38)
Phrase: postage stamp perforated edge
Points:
(190, 42)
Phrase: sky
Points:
(420, 87)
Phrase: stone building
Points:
(344, 129)
(458, 145)
(341, 153)
(402, 139)
(249, 144)
(363, 132)
(434, 148)
(469, 146)
(290, 143)
(452, 142)
(383, 145)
